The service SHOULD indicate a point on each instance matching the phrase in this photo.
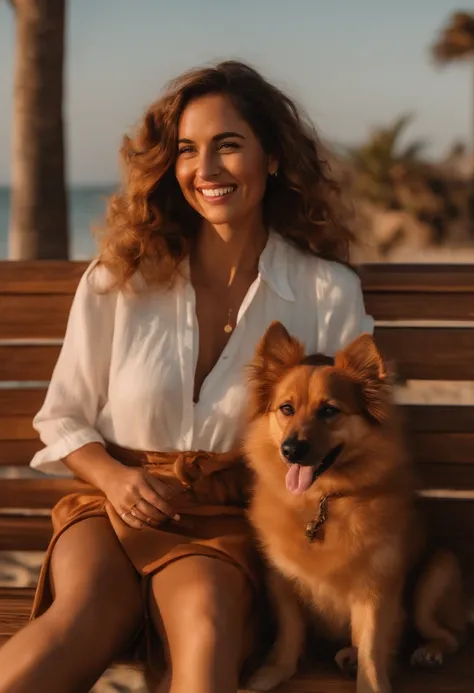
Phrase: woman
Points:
(225, 223)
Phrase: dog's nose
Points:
(294, 450)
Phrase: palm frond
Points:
(456, 39)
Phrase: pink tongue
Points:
(298, 478)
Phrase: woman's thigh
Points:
(201, 608)
(93, 582)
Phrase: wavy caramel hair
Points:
(149, 225)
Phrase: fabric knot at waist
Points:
(186, 466)
(195, 477)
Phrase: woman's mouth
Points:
(217, 195)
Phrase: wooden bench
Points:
(34, 303)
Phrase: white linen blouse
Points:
(125, 373)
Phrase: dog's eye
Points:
(287, 409)
(328, 411)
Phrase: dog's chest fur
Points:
(334, 572)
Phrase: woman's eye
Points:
(328, 411)
(185, 150)
(228, 145)
(287, 409)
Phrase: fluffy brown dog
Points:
(334, 509)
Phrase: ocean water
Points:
(86, 207)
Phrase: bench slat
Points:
(15, 607)
(21, 401)
(33, 316)
(426, 418)
(58, 276)
(420, 306)
(18, 453)
(429, 353)
(425, 353)
(24, 533)
(422, 277)
(37, 493)
(27, 361)
(40, 276)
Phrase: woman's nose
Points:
(208, 166)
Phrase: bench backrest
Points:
(34, 302)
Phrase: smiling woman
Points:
(226, 221)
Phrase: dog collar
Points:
(315, 529)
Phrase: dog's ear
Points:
(276, 352)
(361, 357)
(362, 361)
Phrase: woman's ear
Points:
(273, 166)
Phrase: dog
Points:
(333, 506)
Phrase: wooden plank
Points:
(15, 607)
(40, 276)
(28, 361)
(421, 418)
(51, 276)
(34, 316)
(443, 447)
(415, 278)
(18, 453)
(429, 353)
(17, 428)
(24, 533)
(38, 493)
(438, 418)
(447, 476)
(420, 306)
(21, 401)
(425, 353)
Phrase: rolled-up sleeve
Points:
(341, 315)
(78, 387)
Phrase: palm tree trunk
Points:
(38, 222)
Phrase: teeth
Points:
(217, 192)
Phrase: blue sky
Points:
(351, 63)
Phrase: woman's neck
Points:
(222, 252)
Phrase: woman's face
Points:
(221, 167)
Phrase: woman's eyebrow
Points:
(216, 138)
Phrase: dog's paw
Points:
(428, 656)
(269, 676)
(346, 660)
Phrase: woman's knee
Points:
(207, 596)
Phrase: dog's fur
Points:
(354, 575)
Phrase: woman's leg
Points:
(97, 609)
(200, 606)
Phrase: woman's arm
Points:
(79, 385)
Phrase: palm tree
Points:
(378, 160)
(38, 223)
(455, 42)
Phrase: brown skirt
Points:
(209, 492)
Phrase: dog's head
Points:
(318, 413)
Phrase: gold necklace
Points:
(228, 327)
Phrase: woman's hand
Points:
(138, 497)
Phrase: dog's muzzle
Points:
(327, 461)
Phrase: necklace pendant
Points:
(228, 328)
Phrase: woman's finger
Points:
(146, 518)
(131, 520)
(148, 511)
(148, 492)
